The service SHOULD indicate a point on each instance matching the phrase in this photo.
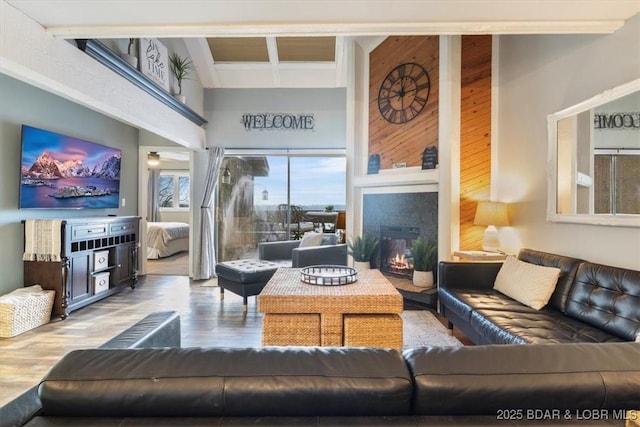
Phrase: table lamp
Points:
(491, 214)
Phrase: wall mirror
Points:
(594, 160)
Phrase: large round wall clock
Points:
(404, 93)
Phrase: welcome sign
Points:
(278, 121)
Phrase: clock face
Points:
(404, 93)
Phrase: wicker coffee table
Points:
(364, 313)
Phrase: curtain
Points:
(153, 210)
(205, 265)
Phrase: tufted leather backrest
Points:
(608, 298)
(568, 267)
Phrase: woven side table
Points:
(363, 313)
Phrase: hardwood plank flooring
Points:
(206, 321)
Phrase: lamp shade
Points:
(491, 213)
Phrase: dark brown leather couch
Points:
(591, 303)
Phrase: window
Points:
(278, 196)
(617, 187)
(174, 190)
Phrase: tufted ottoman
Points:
(245, 277)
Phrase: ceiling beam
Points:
(203, 62)
(274, 60)
(342, 29)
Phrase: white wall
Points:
(223, 108)
(539, 75)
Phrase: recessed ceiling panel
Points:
(307, 49)
(238, 49)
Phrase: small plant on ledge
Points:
(180, 67)
(130, 57)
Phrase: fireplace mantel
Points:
(397, 177)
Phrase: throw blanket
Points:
(42, 240)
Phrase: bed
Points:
(166, 238)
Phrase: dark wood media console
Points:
(99, 257)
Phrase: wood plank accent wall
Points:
(475, 134)
(403, 142)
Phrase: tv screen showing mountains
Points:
(60, 171)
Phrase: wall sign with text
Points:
(626, 120)
(154, 61)
(278, 121)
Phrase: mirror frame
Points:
(623, 220)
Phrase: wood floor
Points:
(205, 320)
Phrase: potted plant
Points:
(362, 250)
(180, 67)
(129, 57)
(424, 256)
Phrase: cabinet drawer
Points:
(100, 282)
(123, 228)
(81, 232)
(100, 260)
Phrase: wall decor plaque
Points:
(430, 157)
(154, 62)
(374, 164)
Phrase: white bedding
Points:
(166, 238)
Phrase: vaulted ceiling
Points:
(301, 43)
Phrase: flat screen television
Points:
(63, 172)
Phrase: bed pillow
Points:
(529, 284)
(311, 238)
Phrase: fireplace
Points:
(395, 249)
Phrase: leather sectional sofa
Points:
(476, 385)
(590, 303)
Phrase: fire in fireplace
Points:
(395, 249)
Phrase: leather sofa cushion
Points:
(464, 301)
(267, 381)
(607, 297)
(568, 267)
(481, 380)
(538, 327)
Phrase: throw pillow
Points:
(311, 238)
(530, 284)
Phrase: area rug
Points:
(422, 329)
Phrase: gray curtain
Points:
(205, 266)
(153, 210)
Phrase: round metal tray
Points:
(328, 275)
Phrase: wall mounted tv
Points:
(62, 172)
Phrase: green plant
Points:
(328, 208)
(180, 67)
(424, 254)
(363, 247)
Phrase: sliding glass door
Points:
(277, 196)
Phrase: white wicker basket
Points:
(24, 309)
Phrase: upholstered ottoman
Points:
(245, 277)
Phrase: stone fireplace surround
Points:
(403, 210)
